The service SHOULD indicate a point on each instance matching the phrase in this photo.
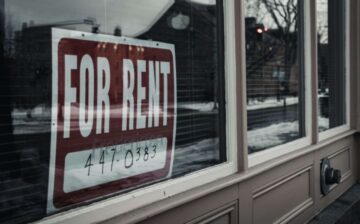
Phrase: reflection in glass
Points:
(196, 30)
(331, 63)
(273, 72)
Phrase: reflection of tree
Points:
(322, 32)
(279, 73)
(279, 44)
(322, 21)
(254, 7)
(285, 15)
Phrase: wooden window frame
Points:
(146, 196)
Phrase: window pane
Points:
(331, 63)
(106, 160)
(274, 73)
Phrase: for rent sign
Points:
(113, 115)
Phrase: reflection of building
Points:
(323, 69)
(197, 62)
(32, 47)
(2, 23)
(272, 63)
(33, 64)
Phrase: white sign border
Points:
(56, 36)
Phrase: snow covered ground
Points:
(272, 135)
(31, 121)
(323, 123)
(202, 106)
(255, 104)
(277, 134)
(38, 120)
(198, 155)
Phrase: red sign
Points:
(114, 115)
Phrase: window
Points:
(331, 63)
(194, 28)
(274, 73)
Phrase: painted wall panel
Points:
(276, 202)
(342, 160)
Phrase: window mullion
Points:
(313, 64)
(241, 86)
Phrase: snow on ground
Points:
(323, 123)
(38, 120)
(255, 104)
(31, 121)
(195, 156)
(39, 111)
(31, 126)
(279, 133)
(202, 107)
(272, 135)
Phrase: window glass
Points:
(274, 77)
(331, 63)
(180, 41)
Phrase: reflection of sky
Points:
(133, 16)
(322, 20)
(254, 8)
(257, 9)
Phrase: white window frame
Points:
(324, 135)
(144, 196)
(280, 150)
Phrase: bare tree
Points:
(254, 7)
(285, 15)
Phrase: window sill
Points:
(298, 145)
(277, 151)
(330, 133)
(114, 206)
